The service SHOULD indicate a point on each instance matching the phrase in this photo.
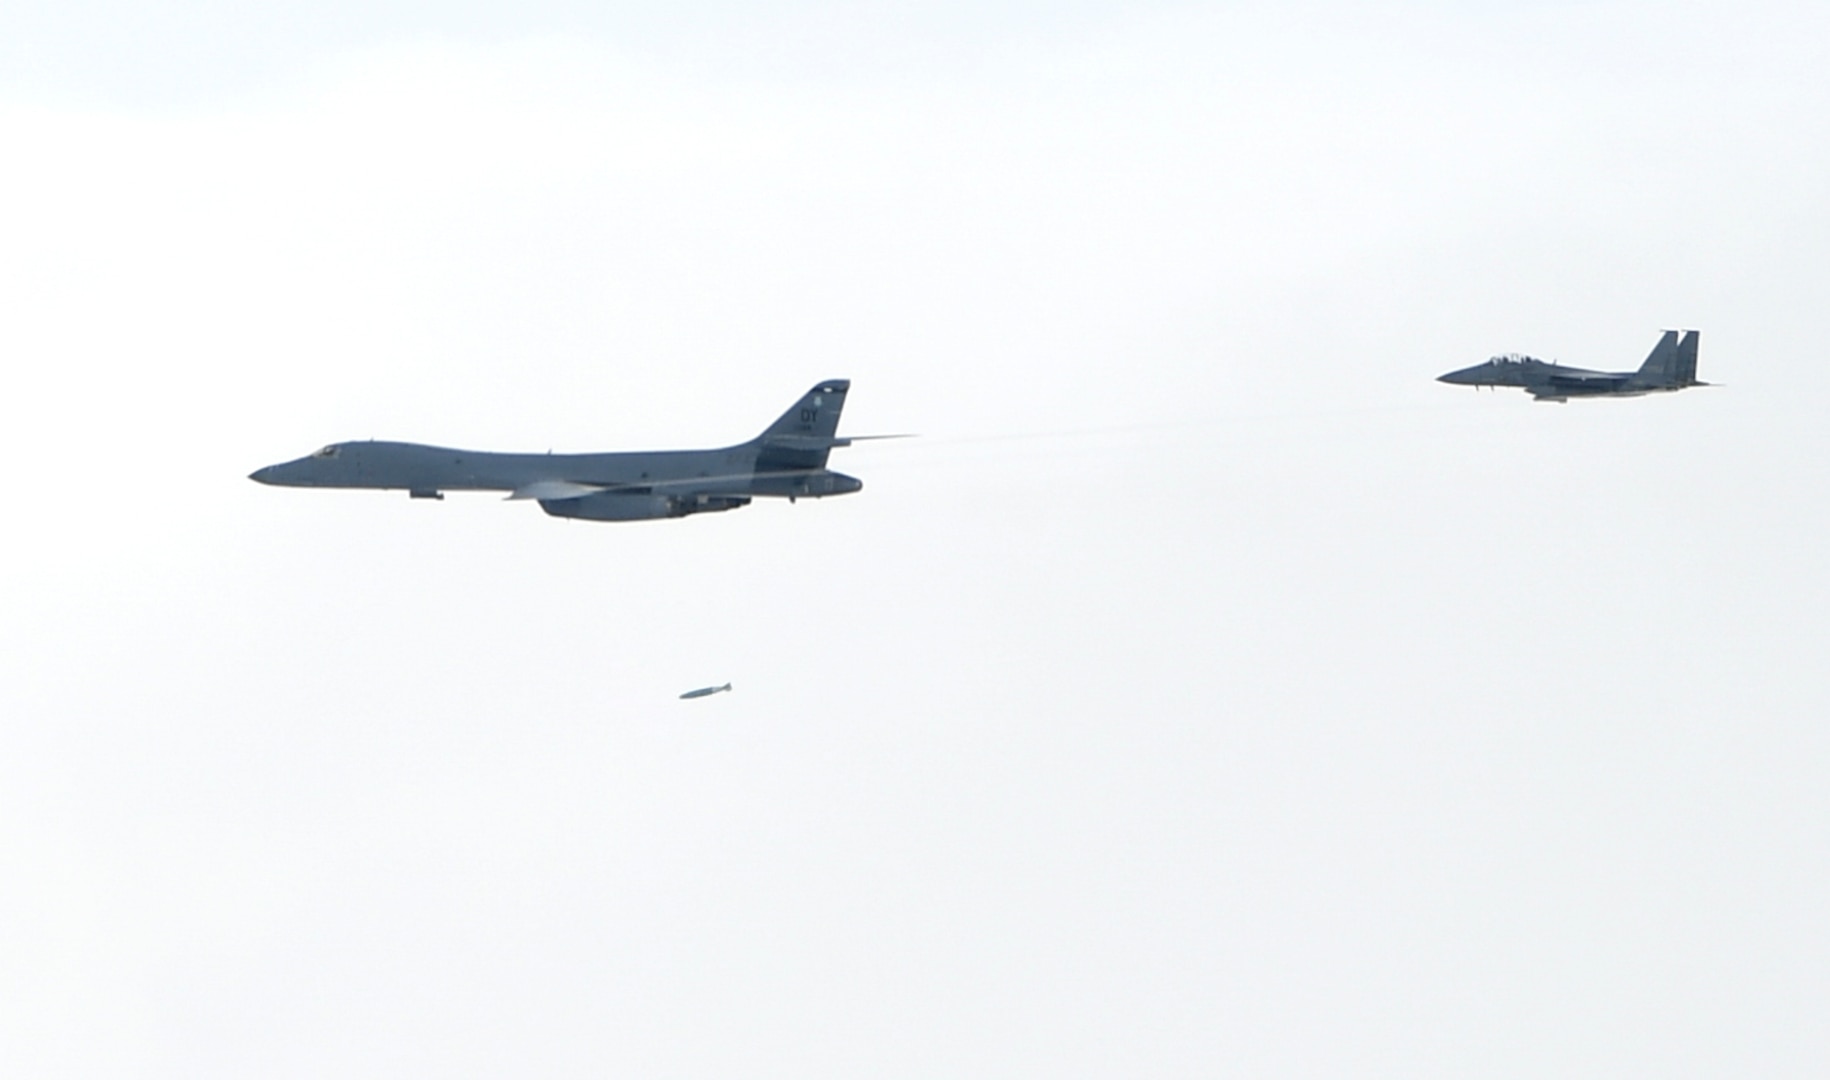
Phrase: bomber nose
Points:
(262, 476)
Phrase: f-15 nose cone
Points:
(261, 476)
(1470, 376)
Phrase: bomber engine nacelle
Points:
(614, 506)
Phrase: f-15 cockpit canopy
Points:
(1514, 358)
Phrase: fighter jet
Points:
(1672, 365)
(786, 461)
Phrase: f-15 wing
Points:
(1580, 377)
(1575, 379)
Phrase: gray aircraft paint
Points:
(788, 460)
(705, 691)
(1672, 365)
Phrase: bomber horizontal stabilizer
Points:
(820, 442)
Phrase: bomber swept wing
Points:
(554, 489)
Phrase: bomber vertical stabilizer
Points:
(805, 434)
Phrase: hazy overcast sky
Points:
(1207, 693)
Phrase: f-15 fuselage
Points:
(1672, 365)
(1549, 379)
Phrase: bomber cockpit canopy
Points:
(328, 452)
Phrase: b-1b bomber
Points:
(1672, 365)
(788, 460)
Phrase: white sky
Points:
(1209, 692)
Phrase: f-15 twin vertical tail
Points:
(788, 461)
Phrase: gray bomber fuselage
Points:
(788, 460)
(398, 466)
